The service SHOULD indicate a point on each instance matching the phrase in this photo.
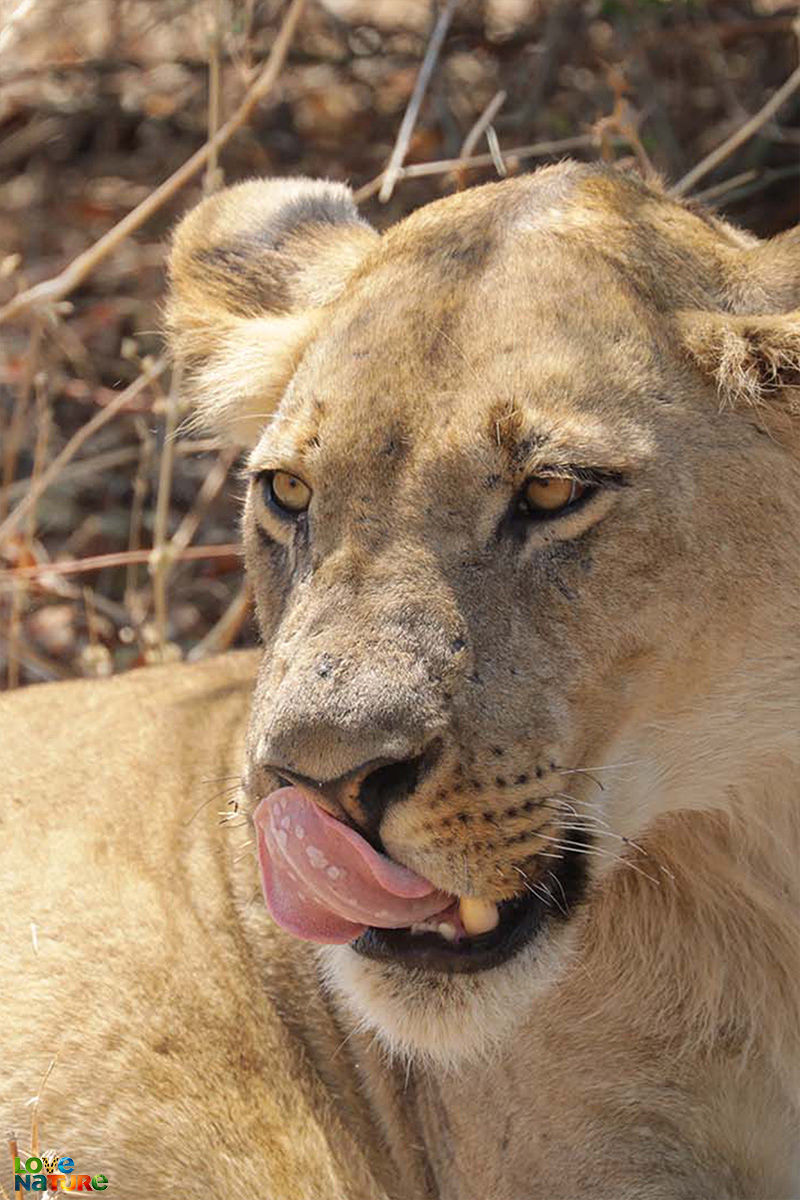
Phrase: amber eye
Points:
(551, 494)
(287, 492)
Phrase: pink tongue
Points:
(323, 882)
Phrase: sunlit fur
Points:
(441, 1021)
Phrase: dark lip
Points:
(522, 919)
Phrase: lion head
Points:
(521, 524)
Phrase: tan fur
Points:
(629, 672)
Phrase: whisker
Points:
(596, 852)
(229, 819)
(359, 1027)
(533, 888)
(634, 762)
(556, 903)
(211, 799)
(557, 881)
(581, 771)
(576, 800)
(606, 833)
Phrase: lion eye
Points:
(288, 492)
(551, 494)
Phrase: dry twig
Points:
(99, 562)
(101, 418)
(140, 489)
(13, 434)
(14, 656)
(14, 626)
(213, 175)
(728, 185)
(161, 555)
(480, 127)
(495, 151)
(482, 124)
(221, 635)
(50, 291)
(406, 129)
(739, 137)
(443, 166)
(211, 487)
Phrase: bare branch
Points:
(13, 434)
(211, 487)
(213, 175)
(76, 441)
(406, 129)
(728, 185)
(737, 139)
(161, 555)
(50, 291)
(220, 636)
(443, 166)
(482, 124)
(99, 562)
(496, 153)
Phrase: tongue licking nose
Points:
(322, 881)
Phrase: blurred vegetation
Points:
(100, 102)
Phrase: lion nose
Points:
(365, 793)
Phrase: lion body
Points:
(630, 669)
(185, 1038)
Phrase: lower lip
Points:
(522, 920)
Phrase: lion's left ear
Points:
(750, 345)
(753, 360)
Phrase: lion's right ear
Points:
(251, 270)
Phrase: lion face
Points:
(502, 543)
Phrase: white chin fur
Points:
(444, 1020)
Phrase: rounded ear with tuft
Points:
(751, 349)
(251, 270)
(753, 361)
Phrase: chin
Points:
(443, 1019)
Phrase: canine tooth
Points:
(477, 916)
(446, 930)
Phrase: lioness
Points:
(521, 758)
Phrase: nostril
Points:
(384, 785)
(395, 780)
(361, 796)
